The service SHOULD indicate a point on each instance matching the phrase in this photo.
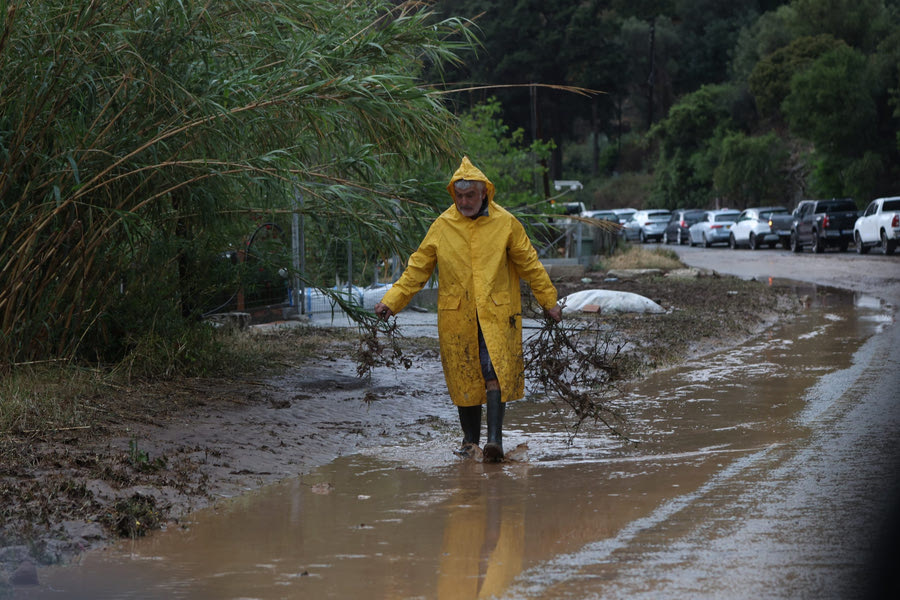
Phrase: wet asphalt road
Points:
(848, 471)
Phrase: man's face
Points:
(468, 202)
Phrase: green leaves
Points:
(751, 170)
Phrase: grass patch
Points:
(36, 398)
(639, 257)
(154, 378)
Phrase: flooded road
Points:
(758, 472)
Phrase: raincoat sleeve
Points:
(418, 270)
(525, 258)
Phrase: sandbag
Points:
(610, 301)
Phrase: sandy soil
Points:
(161, 450)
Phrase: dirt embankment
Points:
(153, 452)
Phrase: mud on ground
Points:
(155, 451)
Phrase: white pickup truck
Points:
(879, 225)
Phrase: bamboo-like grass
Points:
(138, 137)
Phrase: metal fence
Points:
(575, 239)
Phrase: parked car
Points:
(879, 224)
(713, 228)
(822, 223)
(605, 215)
(752, 228)
(681, 220)
(782, 224)
(647, 225)
(624, 214)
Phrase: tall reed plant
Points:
(138, 139)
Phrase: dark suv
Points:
(822, 223)
(677, 229)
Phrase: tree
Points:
(503, 155)
(771, 31)
(770, 80)
(862, 24)
(683, 174)
(831, 104)
(750, 171)
(708, 31)
(651, 71)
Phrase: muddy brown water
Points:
(589, 517)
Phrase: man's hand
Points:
(554, 313)
(382, 311)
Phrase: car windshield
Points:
(726, 217)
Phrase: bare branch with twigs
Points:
(579, 366)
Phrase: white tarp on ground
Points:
(610, 301)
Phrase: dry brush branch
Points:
(579, 366)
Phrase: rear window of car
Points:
(726, 217)
(891, 205)
(768, 213)
(847, 205)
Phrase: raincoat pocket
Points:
(500, 298)
(448, 302)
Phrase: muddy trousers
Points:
(493, 449)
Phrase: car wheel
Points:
(795, 243)
(860, 247)
(752, 242)
(887, 246)
(732, 242)
(706, 243)
(817, 246)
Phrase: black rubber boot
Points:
(470, 421)
(493, 449)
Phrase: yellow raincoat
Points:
(480, 262)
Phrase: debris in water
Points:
(517, 454)
(322, 488)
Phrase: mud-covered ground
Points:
(155, 451)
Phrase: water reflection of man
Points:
(481, 251)
(484, 540)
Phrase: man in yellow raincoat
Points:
(481, 252)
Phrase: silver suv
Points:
(647, 225)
